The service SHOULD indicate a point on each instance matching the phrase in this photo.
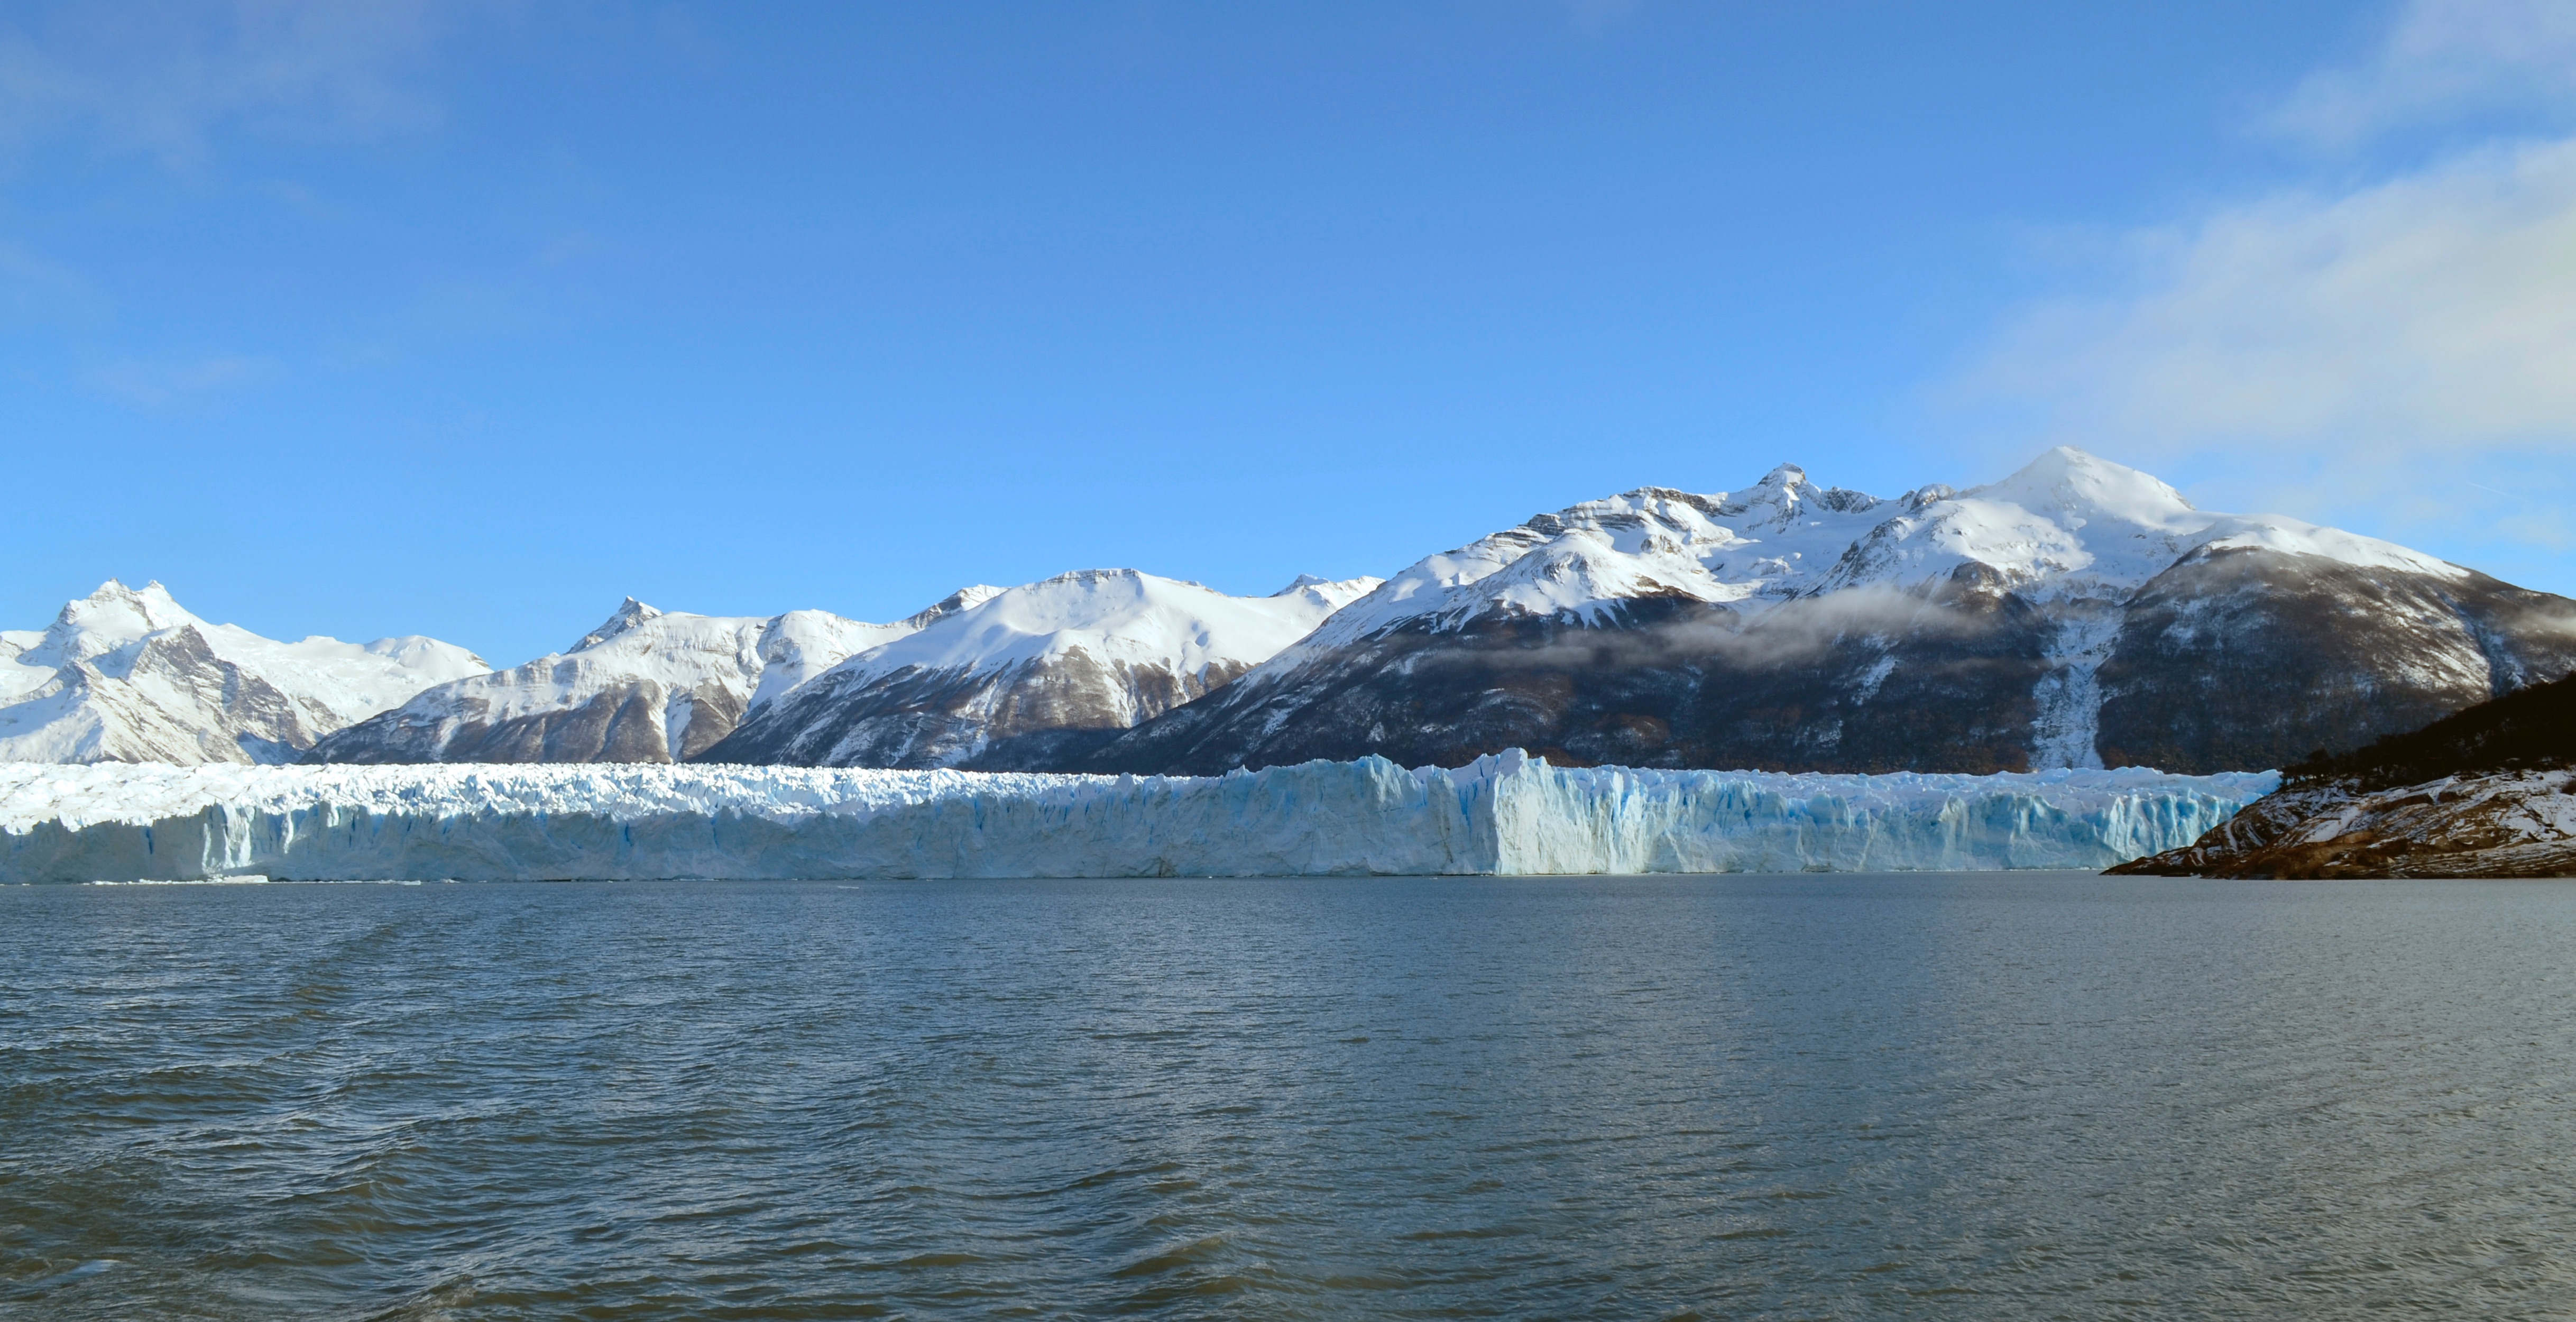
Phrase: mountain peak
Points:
(628, 615)
(1787, 491)
(2065, 480)
(963, 599)
(1332, 594)
(116, 614)
(1091, 576)
(128, 675)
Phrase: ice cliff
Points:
(1506, 814)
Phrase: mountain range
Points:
(126, 675)
(2077, 613)
(646, 686)
(1032, 678)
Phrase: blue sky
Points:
(470, 319)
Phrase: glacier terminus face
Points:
(1506, 814)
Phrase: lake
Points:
(1971, 1096)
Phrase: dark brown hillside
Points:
(2531, 729)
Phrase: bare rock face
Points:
(2077, 614)
(1035, 677)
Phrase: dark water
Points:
(1770, 1097)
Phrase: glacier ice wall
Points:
(1505, 814)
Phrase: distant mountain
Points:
(2077, 613)
(647, 686)
(126, 675)
(2485, 792)
(1034, 676)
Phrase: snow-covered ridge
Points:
(1024, 674)
(1115, 615)
(1504, 814)
(645, 686)
(2069, 524)
(128, 675)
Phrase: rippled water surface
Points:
(1747, 1097)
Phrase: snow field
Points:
(1502, 815)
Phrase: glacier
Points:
(1503, 814)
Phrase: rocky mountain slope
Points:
(2486, 792)
(2075, 614)
(647, 686)
(1032, 677)
(127, 675)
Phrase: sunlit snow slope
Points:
(126, 675)
(647, 686)
(1503, 814)
(1030, 677)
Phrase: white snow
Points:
(129, 675)
(1096, 648)
(672, 660)
(750, 657)
(2069, 524)
(1507, 814)
(1116, 616)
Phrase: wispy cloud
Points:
(2441, 58)
(2438, 304)
(154, 385)
(2376, 342)
(165, 76)
(37, 291)
(1593, 17)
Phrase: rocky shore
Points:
(2486, 792)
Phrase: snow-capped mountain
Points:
(126, 675)
(647, 686)
(2077, 613)
(1034, 675)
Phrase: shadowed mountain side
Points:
(2529, 729)
(2247, 658)
(2234, 659)
(1877, 681)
